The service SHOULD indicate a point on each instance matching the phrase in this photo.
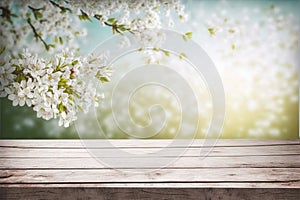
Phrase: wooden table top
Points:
(57, 166)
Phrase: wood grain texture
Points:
(148, 193)
(289, 161)
(244, 169)
(141, 143)
(19, 151)
(279, 175)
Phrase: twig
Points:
(62, 8)
(6, 13)
(36, 35)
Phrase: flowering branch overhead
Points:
(54, 82)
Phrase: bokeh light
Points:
(255, 47)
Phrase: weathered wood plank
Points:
(147, 193)
(35, 169)
(285, 175)
(193, 151)
(140, 143)
(183, 162)
(157, 185)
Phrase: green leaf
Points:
(61, 107)
(231, 31)
(80, 108)
(13, 15)
(123, 27)
(75, 94)
(55, 39)
(72, 76)
(61, 40)
(64, 10)
(71, 98)
(182, 56)
(37, 14)
(2, 50)
(167, 53)
(88, 18)
(111, 20)
(84, 16)
(48, 46)
(20, 77)
(211, 31)
(62, 82)
(76, 33)
(233, 47)
(75, 62)
(98, 17)
(103, 79)
(156, 8)
(187, 36)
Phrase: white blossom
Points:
(6, 74)
(55, 88)
(58, 85)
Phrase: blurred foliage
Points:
(22, 123)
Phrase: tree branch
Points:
(6, 13)
(62, 8)
(36, 35)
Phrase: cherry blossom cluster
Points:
(130, 14)
(51, 25)
(54, 88)
(59, 87)
(143, 18)
(55, 23)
